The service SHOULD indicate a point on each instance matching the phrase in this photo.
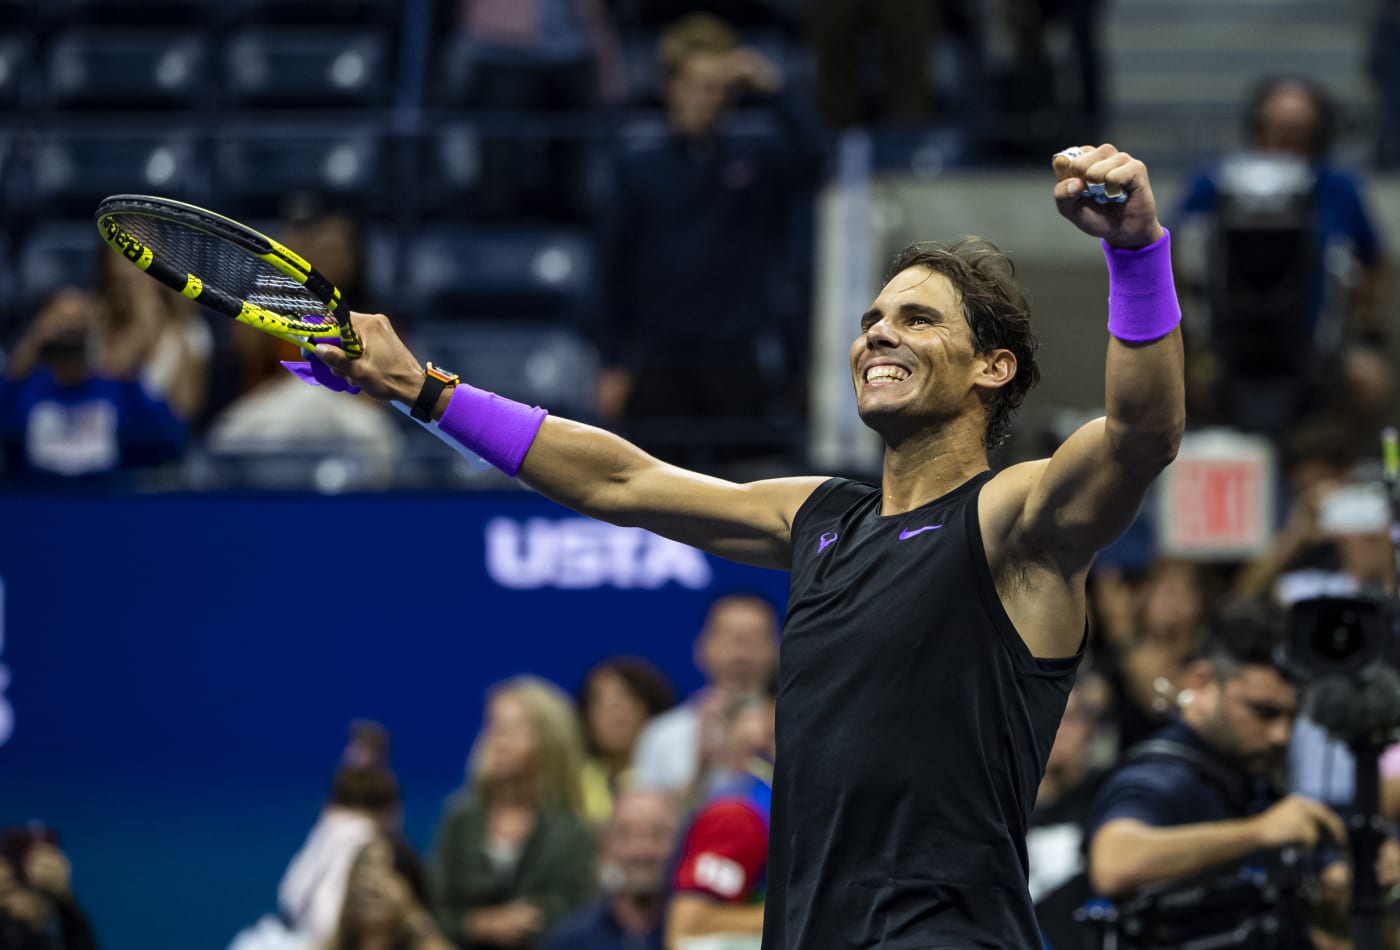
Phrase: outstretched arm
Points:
(599, 474)
(1085, 495)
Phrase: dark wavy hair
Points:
(648, 685)
(1324, 131)
(1247, 631)
(995, 308)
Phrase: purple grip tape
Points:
(312, 371)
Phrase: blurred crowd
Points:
(626, 816)
(683, 321)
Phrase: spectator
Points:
(1342, 294)
(736, 650)
(619, 696)
(364, 801)
(363, 805)
(1055, 838)
(637, 845)
(1147, 672)
(385, 904)
(37, 908)
(153, 334)
(906, 30)
(698, 228)
(63, 418)
(720, 875)
(1199, 800)
(277, 416)
(514, 854)
(1032, 91)
(535, 54)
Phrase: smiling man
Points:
(934, 622)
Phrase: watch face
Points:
(438, 372)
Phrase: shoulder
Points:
(1156, 790)
(665, 726)
(821, 494)
(1003, 499)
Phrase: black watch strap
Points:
(435, 380)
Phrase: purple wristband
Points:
(499, 430)
(1141, 293)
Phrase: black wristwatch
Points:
(435, 380)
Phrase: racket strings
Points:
(221, 265)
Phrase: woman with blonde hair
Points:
(513, 851)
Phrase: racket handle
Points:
(350, 340)
(466, 453)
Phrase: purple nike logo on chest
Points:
(908, 533)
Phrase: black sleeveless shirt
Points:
(913, 729)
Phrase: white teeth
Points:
(876, 373)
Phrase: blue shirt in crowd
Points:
(94, 428)
(1341, 219)
(595, 928)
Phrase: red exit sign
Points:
(1216, 501)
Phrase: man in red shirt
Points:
(719, 882)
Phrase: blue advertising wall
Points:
(177, 672)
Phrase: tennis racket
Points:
(229, 268)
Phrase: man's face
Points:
(638, 843)
(698, 93)
(915, 356)
(739, 645)
(1253, 718)
(1288, 122)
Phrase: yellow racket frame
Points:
(290, 327)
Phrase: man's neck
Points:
(637, 916)
(927, 465)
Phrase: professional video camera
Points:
(1251, 909)
(1347, 653)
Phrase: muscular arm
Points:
(1044, 521)
(692, 915)
(601, 475)
(1127, 854)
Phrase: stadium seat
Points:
(54, 255)
(499, 273)
(9, 317)
(512, 168)
(313, 12)
(147, 12)
(91, 68)
(16, 64)
(69, 172)
(303, 68)
(257, 166)
(538, 364)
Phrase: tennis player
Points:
(934, 622)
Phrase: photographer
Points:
(63, 416)
(37, 908)
(1197, 804)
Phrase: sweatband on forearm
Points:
(1142, 302)
(499, 430)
